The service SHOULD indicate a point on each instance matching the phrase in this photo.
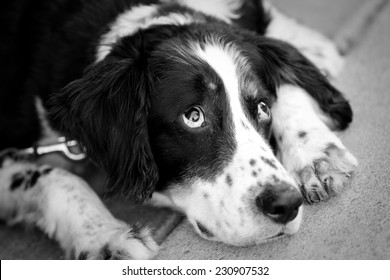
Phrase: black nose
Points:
(281, 202)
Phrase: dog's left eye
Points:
(263, 111)
(194, 117)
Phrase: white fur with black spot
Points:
(308, 149)
(64, 207)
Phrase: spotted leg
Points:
(66, 209)
(308, 149)
(315, 46)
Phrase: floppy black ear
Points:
(106, 111)
(283, 63)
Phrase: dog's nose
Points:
(281, 203)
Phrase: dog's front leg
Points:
(65, 208)
(312, 153)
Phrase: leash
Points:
(70, 149)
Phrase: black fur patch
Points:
(17, 181)
(302, 134)
(252, 162)
(33, 179)
(47, 171)
(253, 16)
(229, 180)
(83, 255)
(269, 162)
(106, 252)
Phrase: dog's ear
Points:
(106, 111)
(281, 63)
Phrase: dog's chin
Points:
(277, 232)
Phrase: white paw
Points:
(326, 174)
(308, 149)
(130, 242)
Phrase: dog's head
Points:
(185, 110)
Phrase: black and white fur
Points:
(124, 78)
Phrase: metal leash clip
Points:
(69, 148)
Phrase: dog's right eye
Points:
(194, 117)
(263, 111)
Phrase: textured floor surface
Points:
(354, 225)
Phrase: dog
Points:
(222, 110)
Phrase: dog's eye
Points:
(194, 117)
(263, 111)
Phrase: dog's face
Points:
(189, 114)
(209, 125)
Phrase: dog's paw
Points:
(327, 175)
(132, 242)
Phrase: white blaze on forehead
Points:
(223, 62)
(233, 68)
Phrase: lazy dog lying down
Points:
(219, 109)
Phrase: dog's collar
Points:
(68, 148)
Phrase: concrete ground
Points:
(354, 225)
